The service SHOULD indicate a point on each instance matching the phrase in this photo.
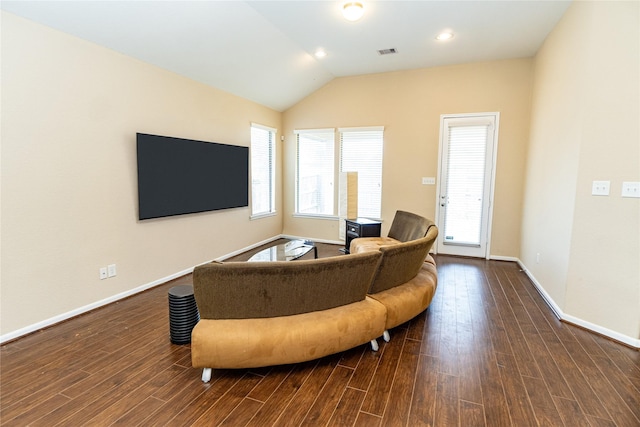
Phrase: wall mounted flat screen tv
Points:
(180, 176)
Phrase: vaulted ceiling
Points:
(265, 50)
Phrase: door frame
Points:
(494, 159)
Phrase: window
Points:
(466, 169)
(262, 170)
(361, 151)
(315, 172)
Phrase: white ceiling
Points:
(263, 50)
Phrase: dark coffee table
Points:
(289, 251)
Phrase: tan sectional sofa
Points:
(271, 313)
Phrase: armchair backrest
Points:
(408, 226)
(401, 262)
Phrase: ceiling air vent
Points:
(387, 51)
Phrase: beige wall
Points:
(585, 127)
(409, 104)
(70, 112)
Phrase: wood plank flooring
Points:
(487, 352)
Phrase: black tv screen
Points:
(179, 176)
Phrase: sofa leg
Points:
(386, 336)
(206, 375)
(374, 345)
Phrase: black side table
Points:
(183, 313)
(360, 227)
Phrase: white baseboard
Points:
(89, 307)
(273, 239)
(248, 248)
(84, 309)
(503, 258)
(332, 242)
(603, 331)
(543, 293)
(633, 342)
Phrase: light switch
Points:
(600, 188)
(631, 189)
(428, 180)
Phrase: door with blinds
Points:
(467, 171)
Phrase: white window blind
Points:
(262, 170)
(465, 183)
(315, 172)
(361, 152)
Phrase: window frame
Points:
(336, 168)
(271, 148)
(364, 130)
(316, 133)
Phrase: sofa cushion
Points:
(401, 262)
(368, 244)
(250, 343)
(240, 290)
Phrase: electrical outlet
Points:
(631, 189)
(111, 270)
(103, 273)
(600, 188)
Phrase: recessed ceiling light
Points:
(320, 53)
(353, 10)
(445, 35)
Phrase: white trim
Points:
(633, 342)
(439, 175)
(272, 163)
(248, 248)
(503, 258)
(466, 119)
(263, 215)
(316, 216)
(89, 307)
(543, 293)
(602, 331)
(263, 127)
(363, 129)
(297, 131)
(492, 188)
(481, 120)
(331, 242)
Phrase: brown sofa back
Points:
(240, 290)
(408, 226)
(401, 262)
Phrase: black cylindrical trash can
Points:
(183, 313)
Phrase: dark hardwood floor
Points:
(487, 352)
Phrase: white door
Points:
(466, 174)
